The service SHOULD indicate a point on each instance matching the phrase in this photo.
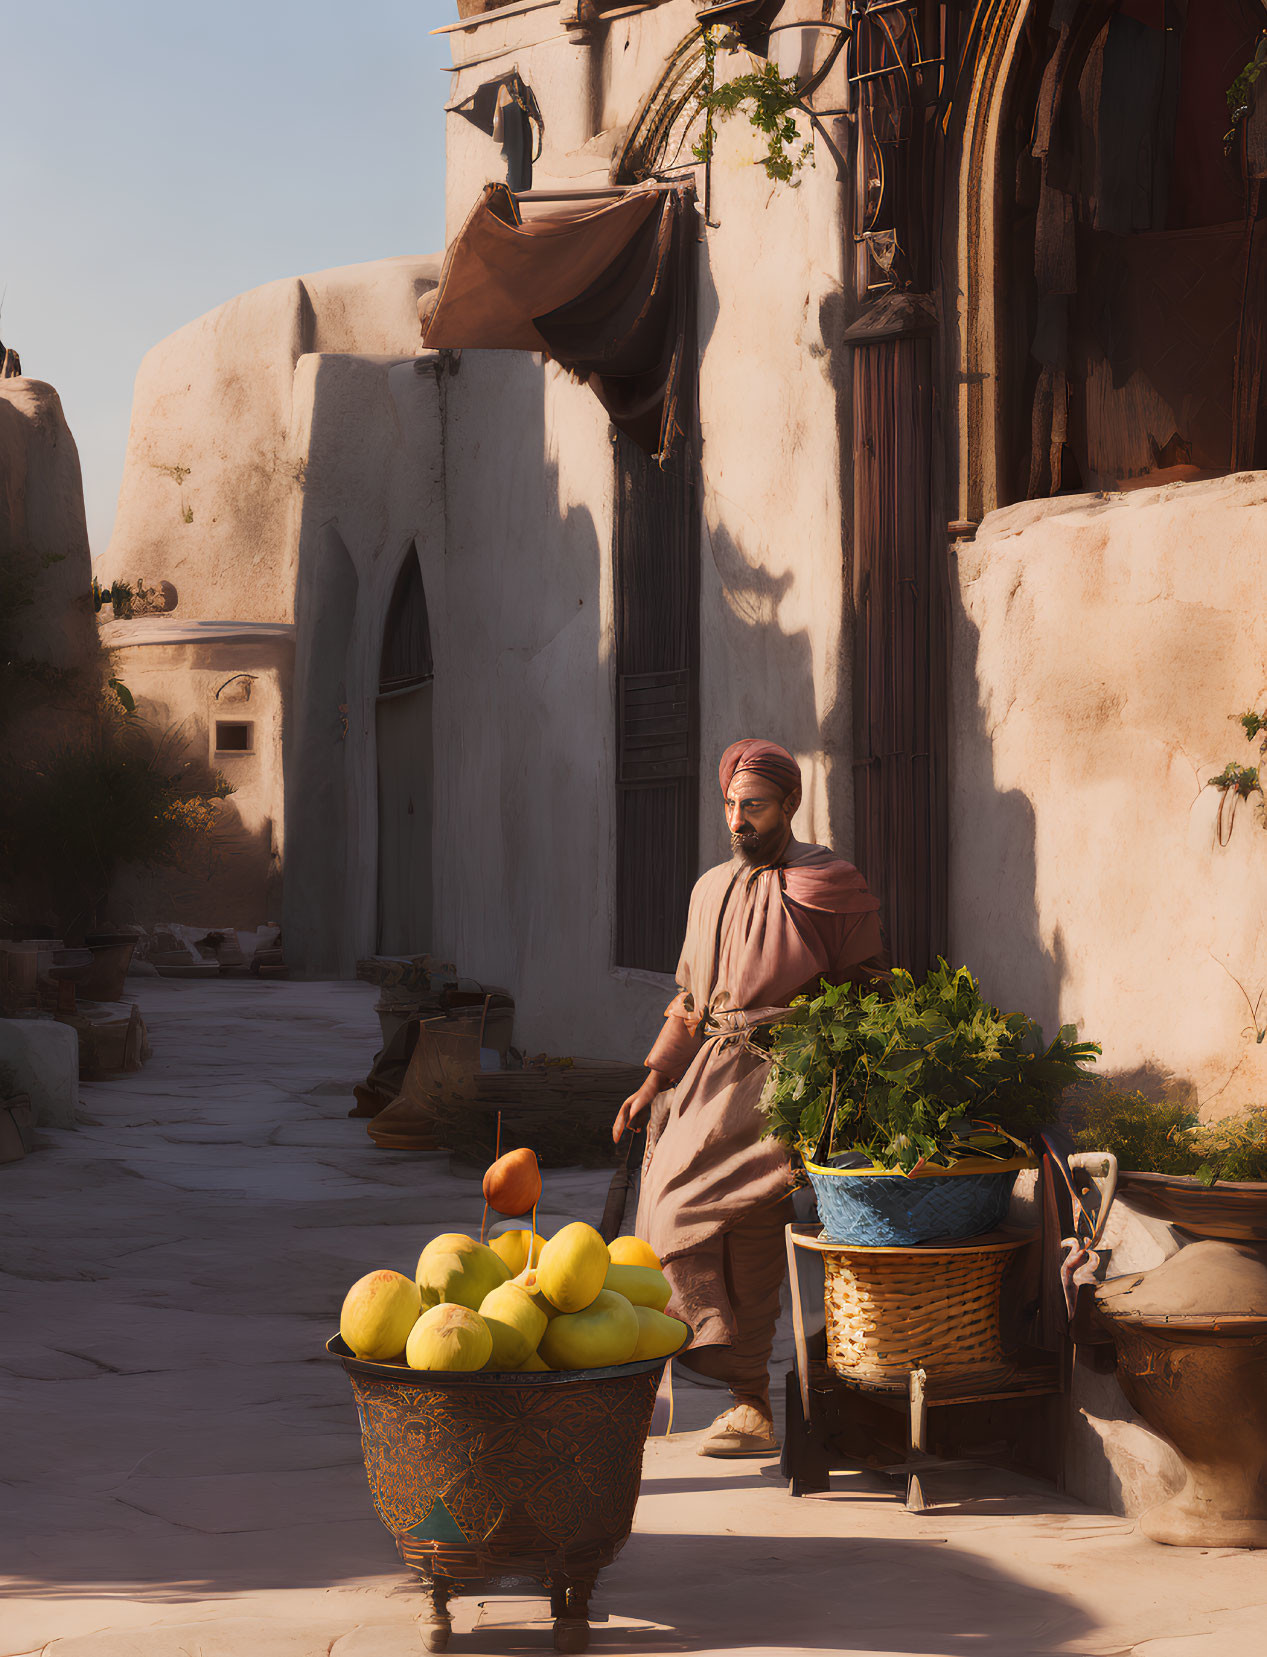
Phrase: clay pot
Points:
(1191, 1339)
(1235, 1210)
(111, 957)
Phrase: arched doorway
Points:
(405, 768)
(1116, 312)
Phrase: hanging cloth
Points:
(603, 289)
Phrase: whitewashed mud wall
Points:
(1101, 644)
(279, 470)
(527, 895)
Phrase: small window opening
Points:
(234, 737)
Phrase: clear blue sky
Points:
(157, 158)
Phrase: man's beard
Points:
(753, 847)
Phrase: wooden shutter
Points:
(901, 657)
(656, 568)
(655, 722)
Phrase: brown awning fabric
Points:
(604, 289)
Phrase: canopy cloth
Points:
(603, 289)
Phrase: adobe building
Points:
(954, 486)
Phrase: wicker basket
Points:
(892, 1310)
(893, 1210)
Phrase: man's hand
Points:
(635, 1108)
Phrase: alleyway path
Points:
(180, 1472)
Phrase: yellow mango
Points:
(632, 1251)
(572, 1267)
(657, 1335)
(605, 1333)
(462, 1273)
(448, 1242)
(378, 1312)
(515, 1324)
(643, 1285)
(534, 1364)
(449, 1337)
(512, 1248)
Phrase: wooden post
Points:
(919, 1438)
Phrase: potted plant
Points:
(1207, 1178)
(912, 1107)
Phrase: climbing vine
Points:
(1240, 93)
(1237, 782)
(767, 98)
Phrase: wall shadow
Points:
(994, 920)
(756, 679)
(315, 769)
(768, 675)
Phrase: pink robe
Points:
(755, 938)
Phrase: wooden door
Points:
(901, 661)
(406, 777)
(405, 791)
(656, 566)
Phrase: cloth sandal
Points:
(741, 1431)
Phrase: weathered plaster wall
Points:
(524, 704)
(44, 542)
(310, 464)
(774, 596)
(186, 678)
(212, 478)
(1102, 645)
(774, 652)
(231, 423)
(368, 428)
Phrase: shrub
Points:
(1166, 1137)
(71, 817)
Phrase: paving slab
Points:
(181, 1472)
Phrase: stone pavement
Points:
(180, 1471)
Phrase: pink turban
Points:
(766, 759)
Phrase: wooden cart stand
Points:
(909, 1329)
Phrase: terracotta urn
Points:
(1235, 1210)
(1191, 1339)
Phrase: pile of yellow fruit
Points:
(520, 1304)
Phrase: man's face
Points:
(759, 816)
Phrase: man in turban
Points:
(762, 928)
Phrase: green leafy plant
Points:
(1237, 782)
(1235, 1148)
(25, 680)
(921, 1074)
(73, 816)
(1241, 91)
(767, 98)
(1240, 779)
(1166, 1137)
(1148, 1135)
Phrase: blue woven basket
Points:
(874, 1210)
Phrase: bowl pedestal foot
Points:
(1217, 1508)
(436, 1624)
(569, 1606)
